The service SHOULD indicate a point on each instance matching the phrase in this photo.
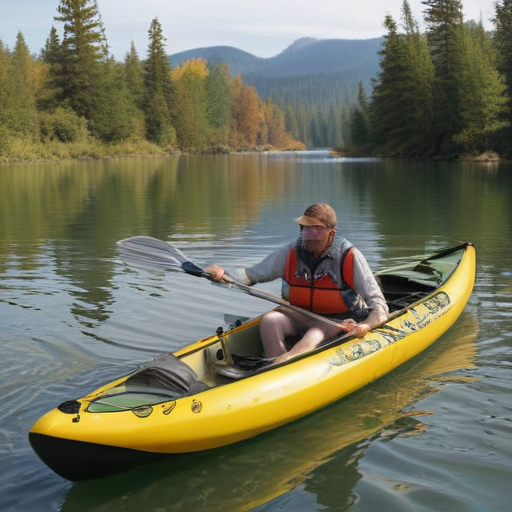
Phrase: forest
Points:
(75, 101)
(445, 93)
(313, 81)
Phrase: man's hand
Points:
(351, 325)
(216, 273)
(361, 330)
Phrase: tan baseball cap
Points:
(318, 214)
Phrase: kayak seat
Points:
(242, 366)
(232, 372)
(169, 373)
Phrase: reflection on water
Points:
(73, 316)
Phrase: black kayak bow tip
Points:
(79, 460)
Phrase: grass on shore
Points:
(16, 150)
(19, 151)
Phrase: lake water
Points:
(436, 434)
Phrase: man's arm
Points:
(270, 268)
(367, 287)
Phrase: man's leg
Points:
(280, 323)
(275, 327)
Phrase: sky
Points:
(261, 27)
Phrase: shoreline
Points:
(102, 153)
(485, 157)
(158, 153)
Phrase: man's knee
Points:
(272, 317)
(317, 334)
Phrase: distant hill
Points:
(239, 62)
(304, 57)
(319, 74)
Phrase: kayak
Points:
(221, 390)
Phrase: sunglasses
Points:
(317, 229)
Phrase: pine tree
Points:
(481, 90)
(503, 44)
(503, 39)
(19, 112)
(51, 94)
(291, 123)
(388, 107)
(5, 64)
(160, 91)
(83, 48)
(219, 97)
(359, 121)
(444, 21)
(402, 103)
(113, 117)
(52, 53)
(418, 94)
(134, 76)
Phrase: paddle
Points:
(152, 252)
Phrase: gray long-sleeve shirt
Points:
(369, 295)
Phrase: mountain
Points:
(238, 61)
(304, 57)
(317, 79)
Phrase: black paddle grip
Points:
(195, 270)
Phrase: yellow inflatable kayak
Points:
(220, 390)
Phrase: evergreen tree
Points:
(503, 44)
(52, 51)
(315, 131)
(134, 76)
(388, 107)
(5, 64)
(51, 94)
(418, 94)
(359, 121)
(160, 91)
(219, 97)
(113, 117)
(444, 21)
(481, 90)
(83, 48)
(402, 103)
(19, 112)
(304, 116)
(291, 123)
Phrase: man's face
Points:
(316, 239)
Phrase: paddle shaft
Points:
(277, 300)
(157, 253)
(193, 269)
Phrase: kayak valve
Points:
(71, 407)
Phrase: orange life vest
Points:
(321, 295)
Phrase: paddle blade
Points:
(152, 252)
(147, 251)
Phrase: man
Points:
(321, 273)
